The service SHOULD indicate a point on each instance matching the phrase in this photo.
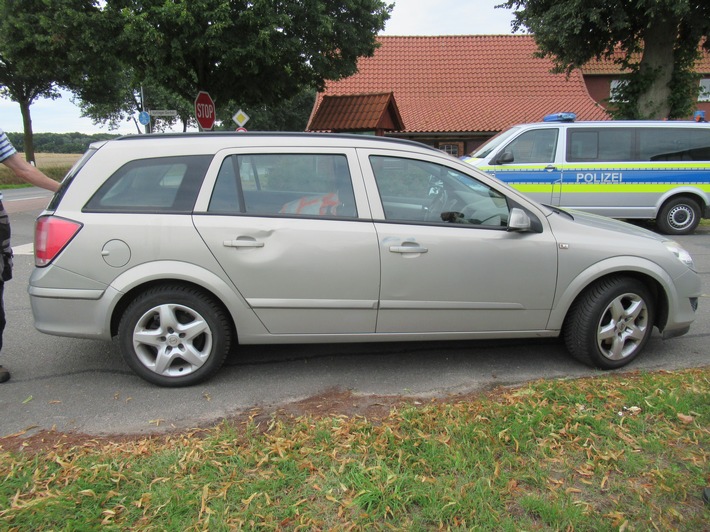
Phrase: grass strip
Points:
(613, 452)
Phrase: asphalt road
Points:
(84, 386)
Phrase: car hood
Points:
(609, 224)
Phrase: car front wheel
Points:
(174, 335)
(610, 323)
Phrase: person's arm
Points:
(29, 173)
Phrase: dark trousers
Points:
(5, 264)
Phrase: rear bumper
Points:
(72, 312)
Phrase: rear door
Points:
(285, 227)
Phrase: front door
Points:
(528, 163)
(448, 263)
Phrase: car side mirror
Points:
(519, 221)
(504, 158)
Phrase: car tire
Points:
(679, 216)
(610, 323)
(174, 335)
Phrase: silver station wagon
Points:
(185, 246)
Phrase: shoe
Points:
(4, 374)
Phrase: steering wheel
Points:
(437, 205)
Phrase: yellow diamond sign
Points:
(241, 118)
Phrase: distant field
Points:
(47, 160)
(55, 165)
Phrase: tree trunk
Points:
(657, 66)
(27, 126)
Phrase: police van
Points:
(623, 169)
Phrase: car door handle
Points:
(243, 243)
(408, 248)
(551, 168)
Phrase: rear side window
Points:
(591, 145)
(284, 184)
(674, 144)
(638, 144)
(163, 184)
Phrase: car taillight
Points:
(52, 234)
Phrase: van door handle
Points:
(243, 243)
(550, 168)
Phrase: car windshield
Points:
(486, 149)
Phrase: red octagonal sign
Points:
(204, 110)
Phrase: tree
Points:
(288, 115)
(253, 51)
(48, 44)
(131, 97)
(656, 41)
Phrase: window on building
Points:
(615, 87)
(704, 95)
(451, 149)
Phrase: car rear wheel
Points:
(679, 216)
(610, 323)
(174, 335)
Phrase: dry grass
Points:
(614, 452)
(55, 165)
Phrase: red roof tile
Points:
(608, 66)
(464, 83)
(363, 112)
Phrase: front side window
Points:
(162, 184)
(421, 192)
(535, 146)
(284, 184)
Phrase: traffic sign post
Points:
(205, 111)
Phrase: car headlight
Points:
(680, 253)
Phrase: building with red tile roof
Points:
(461, 90)
(454, 92)
(358, 112)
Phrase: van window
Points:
(535, 146)
(674, 144)
(602, 144)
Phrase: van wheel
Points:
(174, 336)
(679, 216)
(610, 323)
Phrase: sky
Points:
(409, 17)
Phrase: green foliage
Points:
(655, 41)
(287, 115)
(46, 44)
(256, 52)
(615, 452)
(59, 142)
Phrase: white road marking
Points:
(25, 249)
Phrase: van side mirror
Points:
(504, 158)
(519, 220)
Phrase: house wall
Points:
(599, 87)
(464, 144)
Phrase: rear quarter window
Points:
(162, 184)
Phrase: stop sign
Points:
(204, 110)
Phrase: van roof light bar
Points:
(560, 117)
